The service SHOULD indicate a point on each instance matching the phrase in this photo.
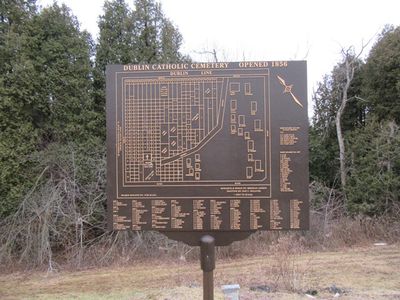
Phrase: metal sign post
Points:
(207, 260)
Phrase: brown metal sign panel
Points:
(207, 147)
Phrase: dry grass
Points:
(363, 273)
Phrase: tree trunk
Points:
(349, 70)
(341, 144)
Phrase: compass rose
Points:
(288, 90)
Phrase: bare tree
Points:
(212, 52)
(350, 63)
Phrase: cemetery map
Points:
(191, 146)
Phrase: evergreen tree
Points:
(323, 141)
(374, 177)
(14, 14)
(148, 20)
(143, 35)
(381, 84)
(114, 46)
(45, 93)
(171, 41)
(61, 54)
(156, 38)
(18, 135)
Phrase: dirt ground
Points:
(360, 273)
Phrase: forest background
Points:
(52, 135)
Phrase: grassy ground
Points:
(360, 273)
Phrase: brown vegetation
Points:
(357, 273)
(123, 247)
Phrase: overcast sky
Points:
(315, 30)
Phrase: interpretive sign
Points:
(207, 147)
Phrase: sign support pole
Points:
(207, 261)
